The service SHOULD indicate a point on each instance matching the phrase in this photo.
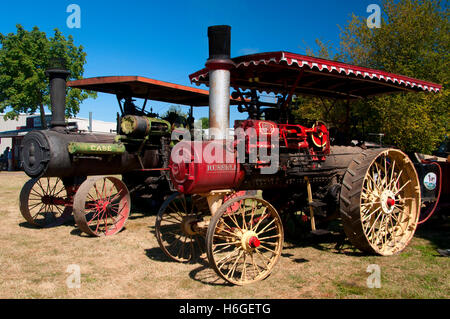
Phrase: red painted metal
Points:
(277, 72)
(390, 202)
(254, 242)
(443, 190)
(259, 134)
(200, 173)
(291, 93)
(102, 206)
(315, 140)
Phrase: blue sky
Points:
(167, 40)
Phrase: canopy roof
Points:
(145, 88)
(285, 72)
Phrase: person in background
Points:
(10, 164)
(4, 162)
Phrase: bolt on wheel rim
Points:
(389, 203)
(177, 228)
(42, 201)
(102, 206)
(245, 240)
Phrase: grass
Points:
(131, 265)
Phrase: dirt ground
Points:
(36, 263)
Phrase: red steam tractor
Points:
(375, 191)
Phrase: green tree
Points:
(175, 116)
(413, 41)
(205, 122)
(24, 57)
(174, 109)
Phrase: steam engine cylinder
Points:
(142, 126)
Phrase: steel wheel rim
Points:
(233, 228)
(390, 202)
(102, 206)
(42, 201)
(175, 229)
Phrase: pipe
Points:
(219, 65)
(90, 122)
(219, 105)
(430, 213)
(57, 77)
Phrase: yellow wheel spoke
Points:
(227, 257)
(271, 222)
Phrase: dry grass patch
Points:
(131, 265)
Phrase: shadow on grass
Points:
(207, 276)
(330, 236)
(142, 207)
(77, 232)
(68, 221)
(296, 260)
(29, 226)
(157, 254)
(436, 230)
(335, 243)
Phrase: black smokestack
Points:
(57, 74)
(219, 42)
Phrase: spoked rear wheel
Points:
(380, 201)
(178, 228)
(244, 240)
(43, 201)
(102, 206)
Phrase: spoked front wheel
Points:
(180, 227)
(102, 206)
(244, 240)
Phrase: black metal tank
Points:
(45, 154)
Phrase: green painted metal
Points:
(128, 124)
(132, 124)
(96, 148)
(155, 120)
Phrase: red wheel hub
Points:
(254, 242)
(102, 205)
(390, 202)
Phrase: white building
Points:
(10, 125)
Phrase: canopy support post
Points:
(291, 93)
